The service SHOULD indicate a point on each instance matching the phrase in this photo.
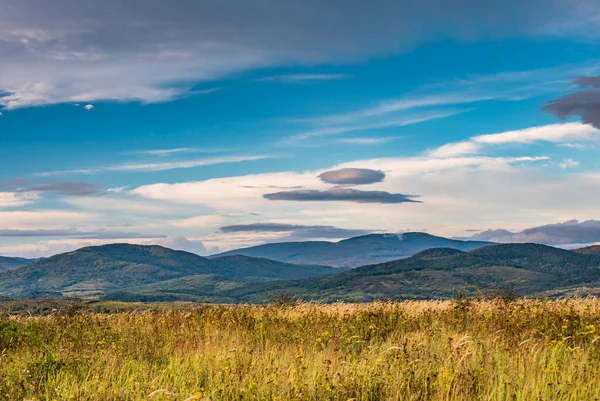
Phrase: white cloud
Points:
(208, 221)
(11, 200)
(300, 78)
(148, 167)
(50, 218)
(370, 141)
(169, 152)
(401, 122)
(569, 163)
(553, 133)
(456, 149)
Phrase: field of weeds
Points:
(453, 350)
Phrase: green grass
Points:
(452, 350)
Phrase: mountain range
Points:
(356, 251)
(93, 271)
(153, 273)
(7, 263)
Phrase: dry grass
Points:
(466, 350)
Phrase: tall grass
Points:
(468, 350)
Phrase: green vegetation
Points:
(134, 273)
(13, 263)
(94, 271)
(354, 252)
(502, 349)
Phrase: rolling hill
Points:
(93, 271)
(7, 263)
(528, 269)
(589, 250)
(353, 252)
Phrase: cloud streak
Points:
(553, 133)
(150, 167)
(341, 195)
(75, 233)
(295, 231)
(303, 78)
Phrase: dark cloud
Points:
(584, 104)
(561, 234)
(340, 194)
(68, 188)
(137, 49)
(352, 176)
(74, 233)
(297, 231)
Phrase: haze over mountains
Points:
(356, 251)
(415, 265)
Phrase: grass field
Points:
(453, 350)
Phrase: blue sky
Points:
(168, 123)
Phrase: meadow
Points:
(501, 349)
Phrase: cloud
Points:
(303, 78)
(150, 167)
(352, 176)
(198, 222)
(169, 152)
(571, 232)
(75, 233)
(11, 199)
(455, 149)
(68, 188)
(568, 163)
(553, 133)
(180, 243)
(150, 51)
(54, 246)
(19, 193)
(369, 141)
(340, 195)
(296, 230)
(365, 126)
(88, 107)
(584, 104)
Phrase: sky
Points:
(212, 125)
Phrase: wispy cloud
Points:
(168, 152)
(553, 133)
(149, 167)
(75, 233)
(338, 130)
(303, 78)
(370, 141)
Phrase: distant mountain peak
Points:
(356, 251)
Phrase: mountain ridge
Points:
(10, 263)
(355, 251)
(92, 271)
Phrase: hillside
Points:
(589, 250)
(441, 273)
(7, 263)
(94, 271)
(353, 252)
